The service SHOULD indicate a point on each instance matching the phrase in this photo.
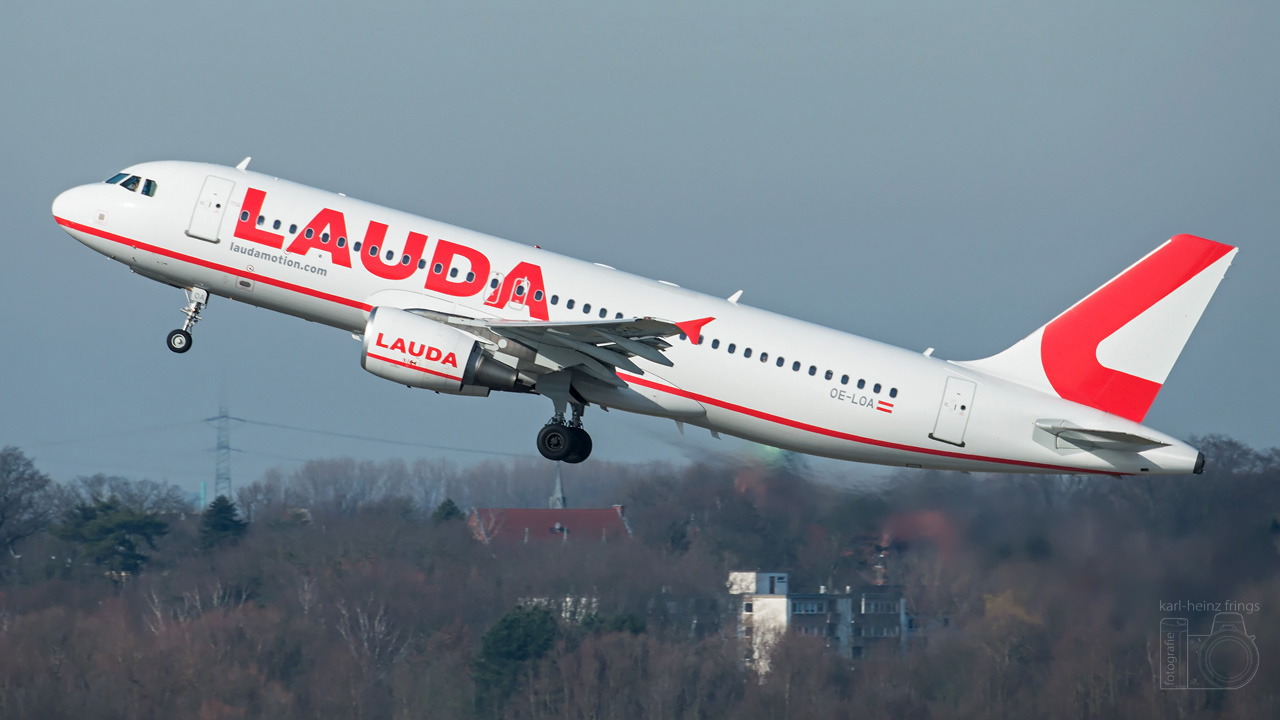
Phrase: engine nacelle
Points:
(415, 351)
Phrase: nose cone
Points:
(64, 206)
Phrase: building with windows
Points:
(850, 622)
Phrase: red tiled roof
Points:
(528, 525)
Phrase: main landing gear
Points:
(565, 440)
(179, 341)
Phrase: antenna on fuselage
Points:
(244, 164)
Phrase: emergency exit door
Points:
(953, 415)
(210, 207)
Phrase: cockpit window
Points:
(149, 188)
(132, 183)
(117, 178)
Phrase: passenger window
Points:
(537, 294)
(149, 188)
(308, 234)
(617, 316)
(453, 272)
(764, 357)
(746, 352)
(244, 216)
(324, 238)
(373, 251)
(829, 375)
(795, 366)
(813, 370)
(893, 392)
(275, 225)
(494, 284)
(844, 379)
(732, 347)
(437, 268)
(520, 292)
(555, 299)
(715, 344)
(293, 229)
(422, 264)
(391, 254)
(132, 183)
(471, 277)
(862, 384)
(117, 178)
(586, 308)
(781, 361)
(604, 313)
(405, 260)
(569, 305)
(355, 245)
(876, 389)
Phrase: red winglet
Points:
(693, 328)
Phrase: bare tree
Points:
(25, 500)
(149, 496)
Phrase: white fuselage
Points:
(885, 412)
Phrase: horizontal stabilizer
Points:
(1070, 435)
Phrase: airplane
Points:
(446, 309)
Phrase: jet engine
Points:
(413, 350)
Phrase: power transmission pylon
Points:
(222, 467)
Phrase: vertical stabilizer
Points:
(1114, 349)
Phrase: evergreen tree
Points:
(522, 635)
(108, 533)
(219, 524)
(448, 510)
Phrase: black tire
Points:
(581, 443)
(179, 341)
(555, 442)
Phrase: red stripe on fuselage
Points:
(818, 430)
(301, 289)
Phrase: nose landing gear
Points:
(179, 341)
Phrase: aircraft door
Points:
(210, 207)
(953, 415)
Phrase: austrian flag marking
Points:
(883, 406)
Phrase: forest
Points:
(347, 589)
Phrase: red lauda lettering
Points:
(450, 359)
(522, 286)
(443, 259)
(534, 297)
(370, 254)
(246, 224)
(379, 342)
(325, 220)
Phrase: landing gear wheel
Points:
(555, 442)
(580, 441)
(179, 341)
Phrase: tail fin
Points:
(1114, 349)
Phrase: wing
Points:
(597, 348)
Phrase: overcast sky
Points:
(930, 174)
